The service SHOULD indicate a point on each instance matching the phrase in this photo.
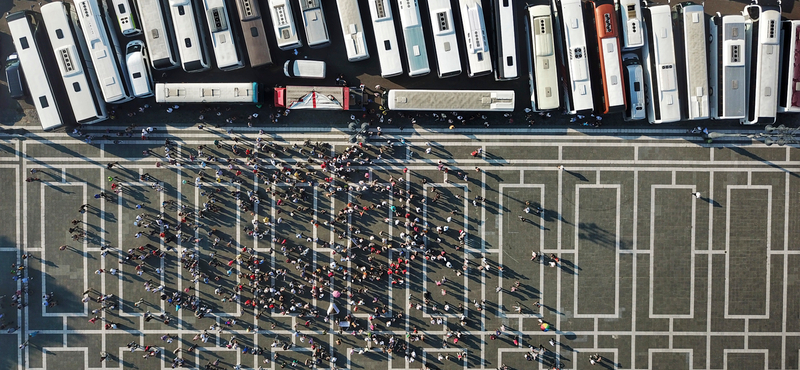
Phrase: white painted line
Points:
(710, 259)
(660, 333)
(526, 165)
(24, 243)
(483, 209)
(785, 285)
(18, 241)
(102, 234)
(635, 259)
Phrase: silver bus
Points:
(314, 23)
(355, 40)
(160, 45)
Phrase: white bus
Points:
(505, 41)
(22, 26)
(578, 90)
(225, 92)
(125, 19)
(385, 38)
(255, 38)
(763, 49)
(451, 100)
(543, 67)
(414, 38)
(160, 47)
(283, 24)
(445, 43)
(632, 31)
(691, 39)
(727, 70)
(790, 67)
(634, 77)
(355, 40)
(105, 52)
(189, 40)
(80, 82)
(226, 53)
(661, 77)
(314, 23)
(479, 59)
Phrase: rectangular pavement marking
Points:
(580, 360)
(671, 244)
(546, 153)
(747, 240)
(10, 356)
(594, 152)
(743, 359)
(794, 153)
(527, 237)
(792, 285)
(45, 150)
(513, 198)
(597, 244)
(673, 154)
(65, 271)
(674, 359)
(8, 207)
(9, 150)
(74, 356)
(228, 222)
(436, 216)
(749, 154)
(134, 193)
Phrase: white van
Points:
(635, 91)
(138, 72)
(304, 69)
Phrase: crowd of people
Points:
(243, 175)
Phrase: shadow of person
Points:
(577, 175)
(712, 202)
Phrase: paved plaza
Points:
(648, 275)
